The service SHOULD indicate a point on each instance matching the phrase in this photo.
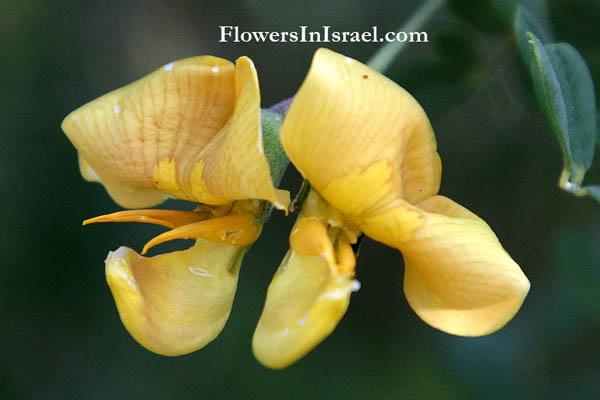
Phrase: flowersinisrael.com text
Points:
(230, 33)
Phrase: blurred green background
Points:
(61, 334)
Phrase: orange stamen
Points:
(234, 229)
(168, 218)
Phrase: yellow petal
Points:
(175, 303)
(237, 168)
(359, 139)
(394, 225)
(458, 277)
(190, 130)
(305, 302)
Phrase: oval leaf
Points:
(564, 90)
(578, 93)
(525, 22)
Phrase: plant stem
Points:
(383, 58)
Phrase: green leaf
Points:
(598, 130)
(578, 93)
(525, 22)
(564, 89)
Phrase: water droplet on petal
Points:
(199, 271)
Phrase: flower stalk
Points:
(383, 58)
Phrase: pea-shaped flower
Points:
(190, 130)
(369, 153)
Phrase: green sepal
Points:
(278, 161)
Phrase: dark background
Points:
(61, 336)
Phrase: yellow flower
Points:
(190, 130)
(369, 153)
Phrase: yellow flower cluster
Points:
(192, 130)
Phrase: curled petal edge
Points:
(376, 144)
(190, 130)
(458, 277)
(175, 303)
